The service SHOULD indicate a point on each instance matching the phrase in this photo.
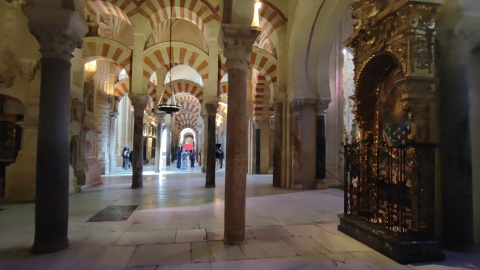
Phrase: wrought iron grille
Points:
(392, 186)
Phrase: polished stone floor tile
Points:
(147, 237)
(266, 248)
(117, 256)
(187, 236)
(340, 243)
(304, 230)
(161, 254)
(176, 215)
(267, 232)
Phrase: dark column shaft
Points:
(137, 157)
(321, 148)
(456, 158)
(277, 150)
(210, 165)
(257, 151)
(51, 206)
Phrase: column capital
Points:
(139, 103)
(238, 41)
(113, 115)
(257, 123)
(211, 106)
(322, 106)
(58, 31)
(160, 116)
(456, 34)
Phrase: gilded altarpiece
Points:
(389, 172)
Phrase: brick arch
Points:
(186, 120)
(224, 87)
(265, 63)
(188, 106)
(271, 18)
(199, 12)
(152, 92)
(182, 53)
(121, 89)
(222, 108)
(98, 47)
(259, 94)
(106, 7)
(185, 86)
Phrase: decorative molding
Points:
(58, 31)
(139, 103)
(27, 68)
(238, 41)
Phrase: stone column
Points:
(139, 103)
(168, 143)
(277, 148)
(158, 143)
(238, 46)
(271, 141)
(205, 142)
(321, 166)
(58, 31)
(257, 124)
(111, 141)
(455, 143)
(296, 144)
(211, 107)
(102, 110)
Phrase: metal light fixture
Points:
(173, 107)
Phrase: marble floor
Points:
(178, 224)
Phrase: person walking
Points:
(221, 156)
(125, 153)
(179, 157)
(184, 159)
(192, 158)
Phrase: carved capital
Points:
(58, 31)
(7, 73)
(322, 106)
(139, 103)
(257, 123)
(238, 41)
(278, 107)
(211, 105)
(160, 116)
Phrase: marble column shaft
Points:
(111, 142)
(158, 143)
(257, 146)
(277, 149)
(59, 32)
(210, 166)
(456, 158)
(168, 145)
(139, 103)
(238, 46)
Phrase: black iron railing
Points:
(392, 186)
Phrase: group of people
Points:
(127, 158)
(183, 156)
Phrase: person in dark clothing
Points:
(221, 156)
(130, 155)
(192, 158)
(125, 153)
(179, 157)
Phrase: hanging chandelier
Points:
(173, 107)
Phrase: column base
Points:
(209, 186)
(45, 248)
(322, 184)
